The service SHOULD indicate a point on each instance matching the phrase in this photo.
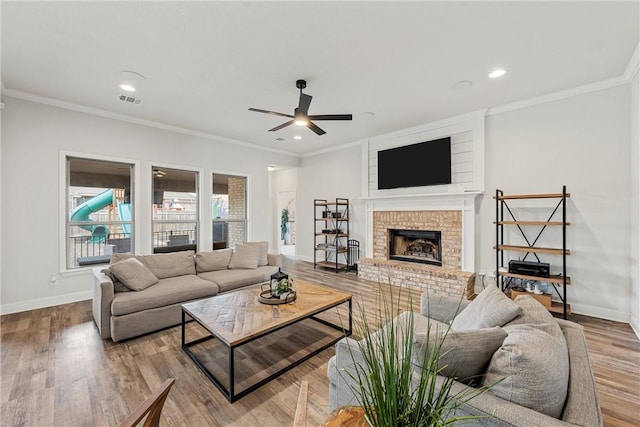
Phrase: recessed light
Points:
(297, 137)
(462, 84)
(131, 81)
(497, 73)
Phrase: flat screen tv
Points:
(416, 165)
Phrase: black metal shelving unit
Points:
(331, 234)
(505, 279)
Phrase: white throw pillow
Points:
(133, 274)
(490, 308)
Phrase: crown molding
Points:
(124, 118)
(556, 96)
(334, 148)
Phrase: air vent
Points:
(129, 99)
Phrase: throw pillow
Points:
(212, 261)
(264, 250)
(490, 308)
(463, 354)
(245, 256)
(118, 286)
(133, 274)
(533, 361)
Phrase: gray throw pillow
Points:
(490, 308)
(133, 274)
(118, 286)
(463, 354)
(264, 250)
(213, 260)
(245, 256)
(533, 360)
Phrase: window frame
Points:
(247, 202)
(63, 197)
(199, 234)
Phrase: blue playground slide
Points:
(124, 211)
(81, 213)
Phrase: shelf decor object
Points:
(535, 270)
(331, 234)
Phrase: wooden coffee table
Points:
(236, 319)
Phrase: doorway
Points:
(287, 215)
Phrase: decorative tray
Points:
(265, 297)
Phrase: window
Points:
(99, 210)
(228, 210)
(175, 210)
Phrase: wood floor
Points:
(56, 371)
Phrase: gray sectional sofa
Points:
(543, 362)
(138, 294)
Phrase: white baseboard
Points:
(600, 313)
(303, 258)
(635, 327)
(45, 302)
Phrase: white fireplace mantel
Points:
(462, 201)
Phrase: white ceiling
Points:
(206, 63)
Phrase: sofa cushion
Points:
(172, 264)
(245, 256)
(533, 361)
(133, 274)
(228, 280)
(167, 291)
(213, 260)
(264, 250)
(463, 354)
(490, 308)
(164, 265)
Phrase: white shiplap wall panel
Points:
(467, 154)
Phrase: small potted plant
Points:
(283, 288)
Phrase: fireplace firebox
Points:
(423, 246)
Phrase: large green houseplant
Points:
(394, 378)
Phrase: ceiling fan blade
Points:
(303, 105)
(274, 113)
(315, 128)
(331, 117)
(284, 125)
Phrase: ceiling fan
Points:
(300, 115)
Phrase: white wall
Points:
(583, 142)
(327, 176)
(33, 135)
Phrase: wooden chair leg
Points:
(152, 406)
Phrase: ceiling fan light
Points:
(301, 122)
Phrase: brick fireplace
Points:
(452, 217)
